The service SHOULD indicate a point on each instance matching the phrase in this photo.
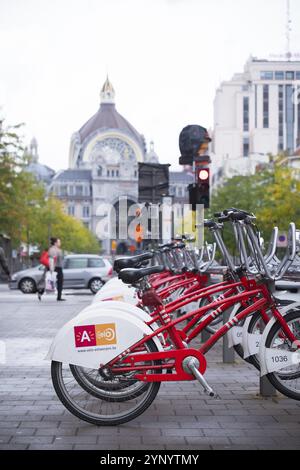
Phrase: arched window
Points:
(99, 171)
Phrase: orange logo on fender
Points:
(106, 334)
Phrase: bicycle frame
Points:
(261, 299)
(192, 283)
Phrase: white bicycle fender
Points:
(96, 339)
(276, 360)
(235, 333)
(117, 306)
(250, 342)
(104, 307)
(114, 282)
(269, 358)
(121, 307)
(121, 293)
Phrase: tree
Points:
(26, 213)
(273, 195)
(19, 191)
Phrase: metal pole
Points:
(266, 389)
(205, 335)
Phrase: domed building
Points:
(42, 173)
(103, 165)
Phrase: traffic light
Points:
(139, 235)
(139, 232)
(203, 177)
(199, 192)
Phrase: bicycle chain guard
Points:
(178, 372)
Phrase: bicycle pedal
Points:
(213, 394)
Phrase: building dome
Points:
(107, 117)
(41, 172)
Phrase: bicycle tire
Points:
(92, 418)
(275, 377)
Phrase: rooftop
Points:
(181, 177)
(74, 175)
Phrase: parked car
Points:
(80, 272)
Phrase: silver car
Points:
(80, 272)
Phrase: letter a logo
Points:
(85, 336)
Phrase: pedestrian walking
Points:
(44, 259)
(56, 264)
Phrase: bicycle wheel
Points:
(120, 388)
(254, 328)
(94, 409)
(287, 380)
(214, 324)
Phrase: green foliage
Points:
(26, 213)
(273, 195)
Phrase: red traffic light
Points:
(203, 175)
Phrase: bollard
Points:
(266, 389)
(228, 353)
(205, 335)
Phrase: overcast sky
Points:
(165, 59)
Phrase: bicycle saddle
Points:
(179, 246)
(165, 249)
(131, 276)
(211, 224)
(235, 214)
(166, 245)
(132, 262)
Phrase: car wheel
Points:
(95, 284)
(27, 286)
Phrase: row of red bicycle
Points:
(143, 327)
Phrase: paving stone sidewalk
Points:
(181, 417)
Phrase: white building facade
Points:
(103, 165)
(256, 113)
